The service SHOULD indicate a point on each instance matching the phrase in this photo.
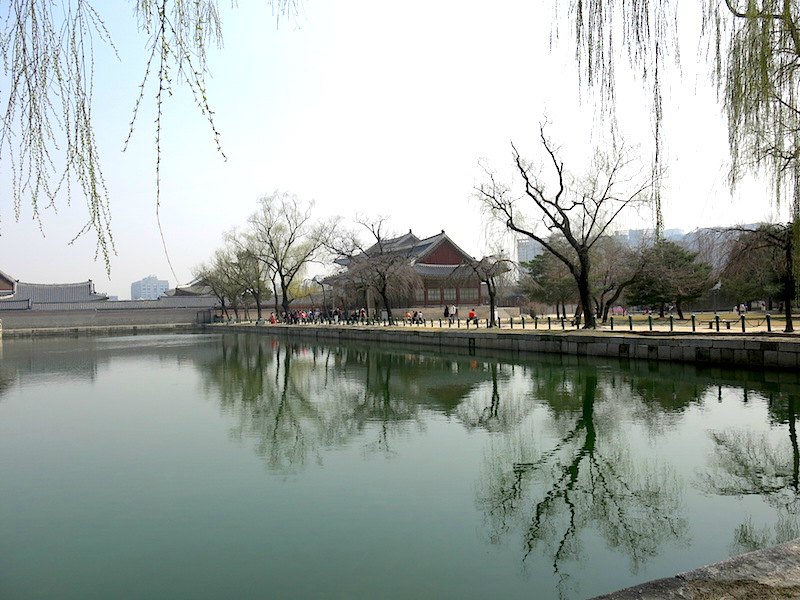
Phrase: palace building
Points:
(437, 263)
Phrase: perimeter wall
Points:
(45, 319)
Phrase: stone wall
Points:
(15, 319)
(771, 351)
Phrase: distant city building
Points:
(528, 249)
(149, 288)
(637, 237)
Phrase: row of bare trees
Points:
(267, 258)
(572, 218)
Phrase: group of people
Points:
(451, 314)
(336, 315)
(416, 318)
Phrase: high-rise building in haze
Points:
(528, 249)
(149, 288)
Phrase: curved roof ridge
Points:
(89, 282)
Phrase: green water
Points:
(232, 467)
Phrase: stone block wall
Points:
(732, 350)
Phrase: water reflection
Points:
(295, 398)
(583, 477)
(567, 466)
(753, 463)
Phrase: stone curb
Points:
(767, 574)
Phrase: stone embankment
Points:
(760, 350)
(762, 575)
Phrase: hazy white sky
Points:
(372, 108)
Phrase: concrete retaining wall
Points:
(757, 351)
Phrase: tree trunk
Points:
(492, 294)
(285, 298)
(257, 298)
(386, 305)
(614, 297)
(789, 288)
(584, 292)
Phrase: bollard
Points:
(742, 323)
(511, 322)
(523, 322)
(548, 322)
(458, 322)
(611, 320)
(671, 323)
(536, 322)
(716, 318)
(650, 322)
(440, 323)
(449, 323)
(563, 323)
(487, 324)
(769, 322)
(630, 322)
(693, 324)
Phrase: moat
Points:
(207, 466)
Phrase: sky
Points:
(368, 109)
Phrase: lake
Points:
(211, 466)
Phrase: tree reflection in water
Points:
(559, 468)
(586, 479)
(296, 399)
(750, 463)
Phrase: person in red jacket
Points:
(471, 316)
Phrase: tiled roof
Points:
(198, 302)
(57, 292)
(434, 270)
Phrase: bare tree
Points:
(384, 267)
(616, 266)
(247, 268)
(776, 242)
(221, 275)
(288, 238)
(580, 210)
(488, 270)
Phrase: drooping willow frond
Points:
(47, 137)
(640, 32)
(47, 140)
(754, 54)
